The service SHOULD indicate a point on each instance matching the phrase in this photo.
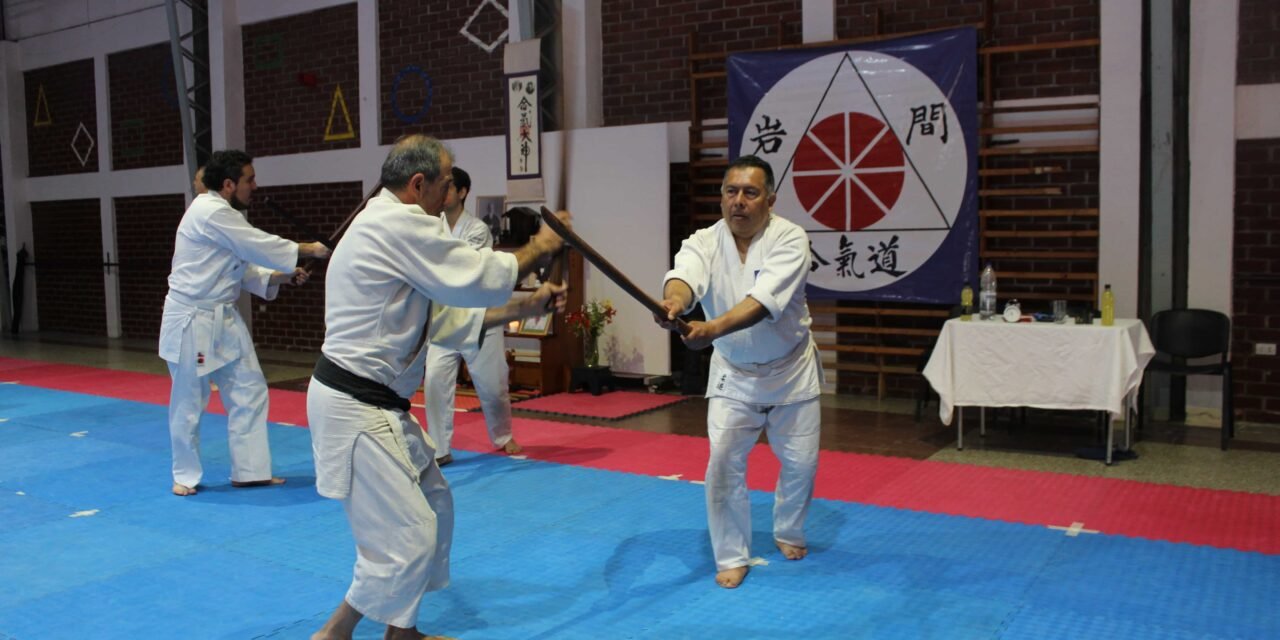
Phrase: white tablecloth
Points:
(993, 363)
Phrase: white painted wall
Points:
(1212, 88)
(1120, 178)
(1256, 115)
(1212, 143)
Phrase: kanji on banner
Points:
(875, 153)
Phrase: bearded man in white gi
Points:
(217, 253)
(397, 279)
(749, 271)
(486, 364)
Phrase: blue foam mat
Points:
(549, 551)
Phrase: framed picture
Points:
(489, 209)
(536, 325)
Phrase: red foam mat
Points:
(1227, 519)
(607, 406)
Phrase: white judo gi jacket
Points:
(774, 361)
(394, 265)
(216, 254)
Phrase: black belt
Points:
(362, 389)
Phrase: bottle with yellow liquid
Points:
(1108, 307)
(966, 302)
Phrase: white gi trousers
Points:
(243, 389)
(399, 507)
(490, 375)
(733, 427)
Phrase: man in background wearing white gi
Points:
(486, 364)
(749, 271)
(202, 336)
(198, 182)
(397, 279)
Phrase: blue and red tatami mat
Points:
(599, 533)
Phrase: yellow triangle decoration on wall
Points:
(338, 101)
(43, 119)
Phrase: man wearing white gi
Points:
(386, 292)
(749, 271)
(202, 336)
(487, 364)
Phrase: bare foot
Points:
(731, 578)
(183, 490)
(397, 633)
(446, 460)
(512, 447)
(790, 551)
(257, 483)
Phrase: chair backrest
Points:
(1191, 333)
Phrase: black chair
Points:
(1179, 334)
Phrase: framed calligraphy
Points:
(524, 127)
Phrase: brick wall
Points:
(1259, 54)
(293, 67)
(1255, 314)
(145, 228)
(146, 127)
(1014, 22)
(1256, 296)
(294, 321)
(420, 41)
(52, 125)
(645, 61)
(645, 46)
(68, 255)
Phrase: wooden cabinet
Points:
(556, 352)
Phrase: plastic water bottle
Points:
(1108, 307)
(987, 293)
(966, 302)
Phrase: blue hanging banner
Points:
(874, 148)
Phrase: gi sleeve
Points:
(478, 237)
(231, 231)
(693, 264)
(786, 265)
(451, 273)
(456, 327)
(257, 281)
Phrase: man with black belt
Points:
(397, 280)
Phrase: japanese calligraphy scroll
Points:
(875, 153)
(524, 124)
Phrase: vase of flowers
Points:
(588, 323)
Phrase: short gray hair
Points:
(415, 153)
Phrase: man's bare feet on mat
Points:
(445, 460)
(183, 490)
(512, 447)
(790, 551)
(257, 483)
(731, 578)
(396, 633)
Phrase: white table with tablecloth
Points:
(993, 363)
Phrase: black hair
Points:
(225, 165)
(751, 161)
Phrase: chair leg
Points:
(1141, 420)
(922, 397)
(1228, 410)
